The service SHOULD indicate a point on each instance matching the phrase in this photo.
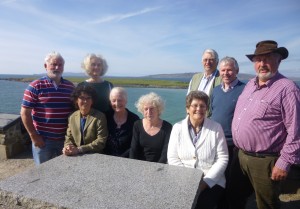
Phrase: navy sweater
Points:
(223, 105)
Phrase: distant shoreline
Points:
(138, 83)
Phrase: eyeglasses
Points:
(194, 106)
(208, 60)
(84, 98)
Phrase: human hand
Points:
(66, 150)
(203, 186)
(37, 140)
(278, 174)
(70, 150)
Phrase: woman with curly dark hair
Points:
(87, 128)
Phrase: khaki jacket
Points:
(195, 82)
(196, 79)
(95, 131)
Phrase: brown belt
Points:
(260, 155)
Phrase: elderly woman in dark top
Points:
(150, 134)
(95, 67)
(87, 129)
(120, 122)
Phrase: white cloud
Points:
(157, 36)
(119, 17)
(5, 2)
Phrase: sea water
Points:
(11, 94)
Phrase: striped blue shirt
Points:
(51, 106)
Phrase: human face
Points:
(84, 103)
(209, 63)
(55, 68)
(228, 73)
(266, 66)
(197, 110)
(150, 112)
(118, 101)
(95, 67)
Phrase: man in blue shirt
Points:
(223, 101)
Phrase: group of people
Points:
(91, 117)
(243, 137)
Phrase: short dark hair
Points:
(83, 88)
(200, 95)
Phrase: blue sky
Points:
(144, 37)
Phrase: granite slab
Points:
(102, 181)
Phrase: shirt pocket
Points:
(260, 108)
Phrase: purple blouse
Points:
(267, 120)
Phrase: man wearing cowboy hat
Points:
(265, 130)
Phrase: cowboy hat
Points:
(269, 46)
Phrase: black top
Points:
(119, 139)
(150, 148)
(103, 90)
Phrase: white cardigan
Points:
(210, 153)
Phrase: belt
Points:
(260, 155)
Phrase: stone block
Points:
(8, 120)
(3, 152)
(2, 138)
(13, 137)
(8, 151)
(101, 181)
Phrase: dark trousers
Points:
(248, 174)
(223, 203)
(209, 198)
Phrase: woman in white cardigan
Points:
(198, 142)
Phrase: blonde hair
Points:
(87, 62)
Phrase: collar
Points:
(50, 80)
(190, 126)
(189, 123)
(211, 75)
(269, 82)
(231, 85)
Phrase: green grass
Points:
(136, 82)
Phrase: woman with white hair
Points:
(151, 134)
(120, 121)
(95, 67)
